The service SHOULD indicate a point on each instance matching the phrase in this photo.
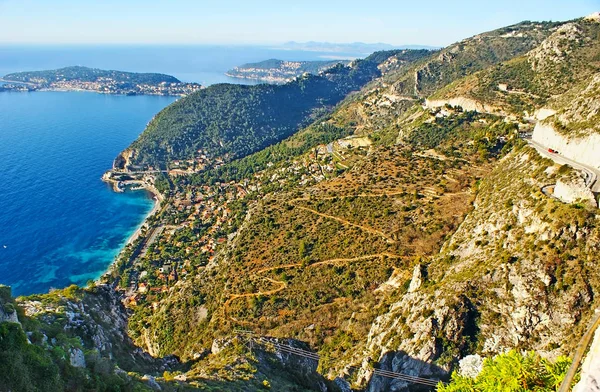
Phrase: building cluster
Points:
(189, 166)
(111, 86)
(106, 86)
(200, 219)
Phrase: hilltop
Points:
(379, 226)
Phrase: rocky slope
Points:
(502, 280)
(573, 127)
(514, 270)
(409, 228)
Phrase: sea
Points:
(204, 64)
(59, 223)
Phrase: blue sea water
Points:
(59, 223)
(204, 64)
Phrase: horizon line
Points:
(275, 44)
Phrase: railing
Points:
(314, 356)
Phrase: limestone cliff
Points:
(468, 104)
(581, 149)
(500, 282)
(574, 190)
(8, 313)
(574, 129)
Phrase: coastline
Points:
(39, 88)
(157, 198)
(266, 80)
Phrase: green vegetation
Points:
(513, 372)
(367, 225)
(25, 367)
(85, 74)
(294, 146)
(40, 359)
(232, 121)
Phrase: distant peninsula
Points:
(280, 71)
(79, 78)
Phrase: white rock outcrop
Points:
(77, 358)
(9, 317)
(466, 104)
(574, 190)
(544, 113)
(584, 150)
(595, 17)
(470, 366)
(416, 280)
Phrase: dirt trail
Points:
(382, 194)
(348, 223)
(338, 261)
(283, 285)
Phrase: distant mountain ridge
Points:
(352, 47)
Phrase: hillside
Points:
(231, 121)
(378, 227)
(279, 71)
(564, 60)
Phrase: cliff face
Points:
(572, 128)
(500, 282)
(8, 315)
(574, 190)
(98, 319)
(584, 149)
(468, 104)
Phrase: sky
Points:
(397, 22)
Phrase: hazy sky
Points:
(429, 22)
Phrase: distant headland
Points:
(79, 78)
(280, 71)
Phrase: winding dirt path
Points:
(283, 285)
(337, 261)
(348, 223)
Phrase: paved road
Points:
(139, 172)
(580, 351)
(591, 174)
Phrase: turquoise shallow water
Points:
(59, 224)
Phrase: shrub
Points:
(510, 372)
